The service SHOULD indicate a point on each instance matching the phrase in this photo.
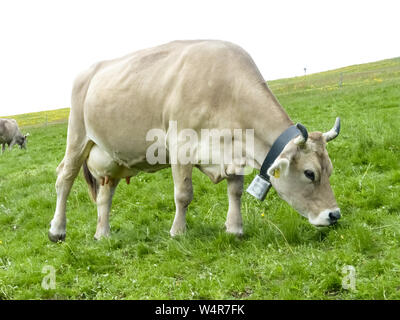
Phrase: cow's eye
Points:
(309, 174)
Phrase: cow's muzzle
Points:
(325, 218)
(334, 216)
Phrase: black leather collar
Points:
(277, 148)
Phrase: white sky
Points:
(45, 44)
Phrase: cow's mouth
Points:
(326, 218)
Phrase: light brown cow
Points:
(197, 85)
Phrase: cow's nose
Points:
(334, 216)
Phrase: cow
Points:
(11, 135)
(200, 84)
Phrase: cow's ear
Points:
(279, 167)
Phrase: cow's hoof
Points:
(237, 231)
(101, 236)
(56, 237)
(177, 232)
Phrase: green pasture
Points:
(281, 255)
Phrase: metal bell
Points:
(259, 187)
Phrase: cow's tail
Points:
(91, 181)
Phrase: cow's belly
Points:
(120, 129)
(120, 160)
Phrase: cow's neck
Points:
(269, 120)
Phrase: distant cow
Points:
(10, 134)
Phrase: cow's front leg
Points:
(3, 148)
(103, 201)
(234, 218)
(183, 195)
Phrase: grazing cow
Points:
(197, 85)
(10, 134)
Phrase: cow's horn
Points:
(334, 132)
(301, 139)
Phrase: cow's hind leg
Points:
(78, 147)
(66, 174)
(103, 201)
(234, 218)
(65, 178)
(183, 195)
(77, 150)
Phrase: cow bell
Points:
(259, 187)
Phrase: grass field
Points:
(281, 255)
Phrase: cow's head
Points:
(21, 140)
(301, 173)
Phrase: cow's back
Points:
(8, 129)
(185, 81)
